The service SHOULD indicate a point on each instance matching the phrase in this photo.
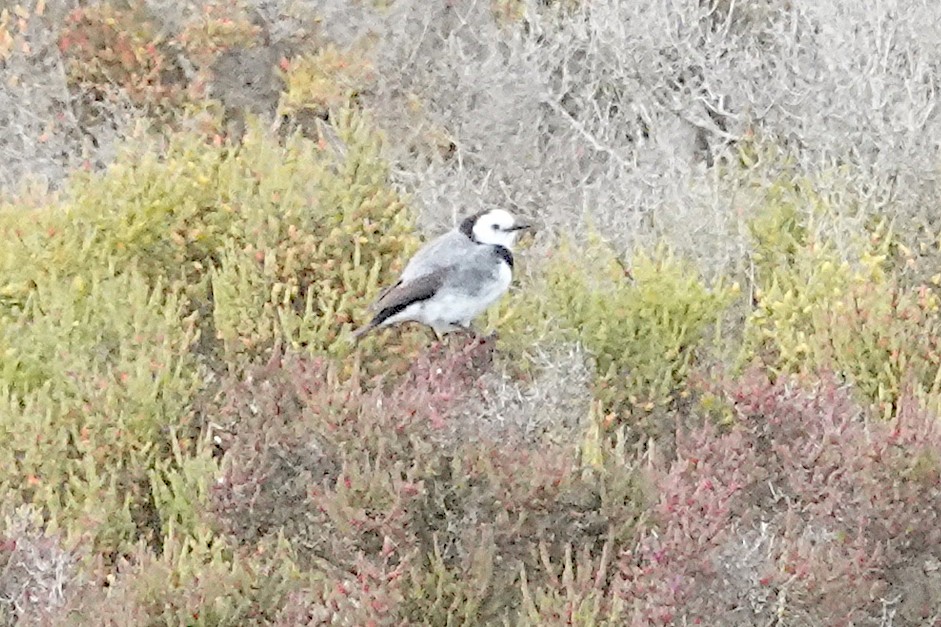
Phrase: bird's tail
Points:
(363, 330)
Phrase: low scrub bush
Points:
(644, 322)
(97, 379)
(302, 229)
(214, 27)
(411, 524)
(119, 298)
(194, 581)
(803, 509)
(823, 306)
(112, 53)
(326, 81)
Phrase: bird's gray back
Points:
(441, 252)
(478, 269)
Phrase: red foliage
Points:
(699, 498)
(314, 454)
(840, 501)
(105, 47)
(363, 480)
(803, 505)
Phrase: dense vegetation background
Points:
(713, 397)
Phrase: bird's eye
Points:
(496, 227)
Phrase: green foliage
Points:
(160, 213)
(116, 298)
(287, 238)
(195, 581)
(181, 485)
(643, 324)
(886, 339)
(447, 594)
(824, 306)
(314, 235)
(797, 272)
(325, 81)
(94, 373)
(572, 595)
(780, 232)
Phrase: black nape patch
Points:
(467, 226)
(504, 253)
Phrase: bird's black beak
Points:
(519, 226)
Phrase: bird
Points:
(453, 278)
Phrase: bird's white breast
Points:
(458, 306)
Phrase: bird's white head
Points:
(494, 227)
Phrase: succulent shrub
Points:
(823, 303)
(886, 340)
(97, 383)
(325, 81)
(212, 27)
(411, 524)
(575, 592)
(154, 470)
(798, 269)
(315, 234)
(644, 322)
(112, 53)
(320, 229)
(194, 581)
(802, 509)
(119, 296)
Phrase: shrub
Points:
(320, 230)
(42, 140)
(699, 499)
(627, 114)
(153, 471)
(326, 81)
(313, 267)
(820, 305)
(886, 340)
(370, 487)
(214, 27)
(112, 53)
(112, 296)
(802, 509)
(644, 324)
(97, 378)
(799, 270)
(194, 581)
(575, 593)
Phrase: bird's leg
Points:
(480, 337)
(468, 328)
(438, 336)
(453, 334)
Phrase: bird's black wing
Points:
(445, 250)
(383, 293)
(403, 294)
